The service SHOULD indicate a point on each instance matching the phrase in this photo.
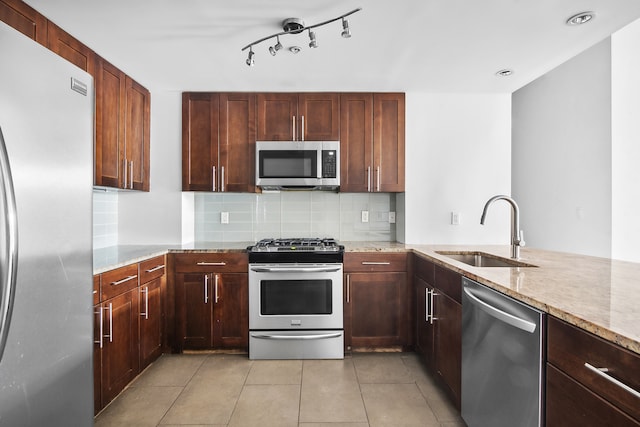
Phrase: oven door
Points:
(295, 296)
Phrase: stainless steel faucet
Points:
(517, 235)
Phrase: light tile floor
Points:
(363, 390)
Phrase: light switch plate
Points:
(365, 216)
(224, 217)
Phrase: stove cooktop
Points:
(297, 245)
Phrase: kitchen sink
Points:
(482, 259)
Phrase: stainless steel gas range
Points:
(295, 299)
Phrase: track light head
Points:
(313, 43)
(346, 32)
(250, 60)
(275, 48)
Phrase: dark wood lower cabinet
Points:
(212, 310)
(150, 322)
(571, 404)
(447, 358)
(120, 363)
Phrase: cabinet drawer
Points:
(207, 262)
(424, 269)
(569, 404)
(370, 262)
(118, 281)
(152, 269)
(570, 349)
(96, 289)
(449, 282)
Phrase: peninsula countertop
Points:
(599, 295)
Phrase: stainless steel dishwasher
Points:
(501, 359)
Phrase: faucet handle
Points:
(521, 241)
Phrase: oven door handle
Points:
(295, 269)
(296, 337)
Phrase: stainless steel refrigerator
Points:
(46, 162)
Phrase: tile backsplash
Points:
(105, 219)
(294, 214)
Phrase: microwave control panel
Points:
(329, 164)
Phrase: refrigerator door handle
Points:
(10, 264)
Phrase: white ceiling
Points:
(401, 45)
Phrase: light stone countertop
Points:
(599, 295)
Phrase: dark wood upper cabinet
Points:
(122, 152)
(71, 49)
(218, 142)
(25, 19)
(298, 117)
(388, 141)
(372, 143)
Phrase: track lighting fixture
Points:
(250, 61)
(312, 40)
(297, 26)
(346, 32)
(275, 48)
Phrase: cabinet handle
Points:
(432, 317)
(293, 127)
(124, 182)
(378, 178)
(126, 279)
(222, 178)
(146, 302)
(217, 264)
(206, 288)
(156, 268)
(131, 175)
(302, 128)
(348, 287)
(213, 178)
(101, 327)
(376, 263)
(215, 290)
(427, 315)
(603, 373)
(368, 179)
(110, 323)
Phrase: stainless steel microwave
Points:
(298, 165)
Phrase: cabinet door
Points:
(424, 325)
(378, 313)
(388, 142)
(25, 19)
(71, 49)
(110, 120)
(318, 117)
(120, 356)
(194, 310)
(98, 344)
(150, 322)
(230, 312)
(137, 135)
(200, 113)
(277, 116)
(356, 116)
(237, 142)
(569, 404)
(448, 342)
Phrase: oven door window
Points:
(288, 164)
(295, 297)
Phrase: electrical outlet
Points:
(224, 217)
(365, 216)
(455, 218)
(392, 217)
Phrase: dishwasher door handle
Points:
(267, 336)
(295, 269)
(505, 317)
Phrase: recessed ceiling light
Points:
(581, 18)
(504, 73)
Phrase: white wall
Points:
(156, 217)
(625, 112)
(458, 156)
(562, 155)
